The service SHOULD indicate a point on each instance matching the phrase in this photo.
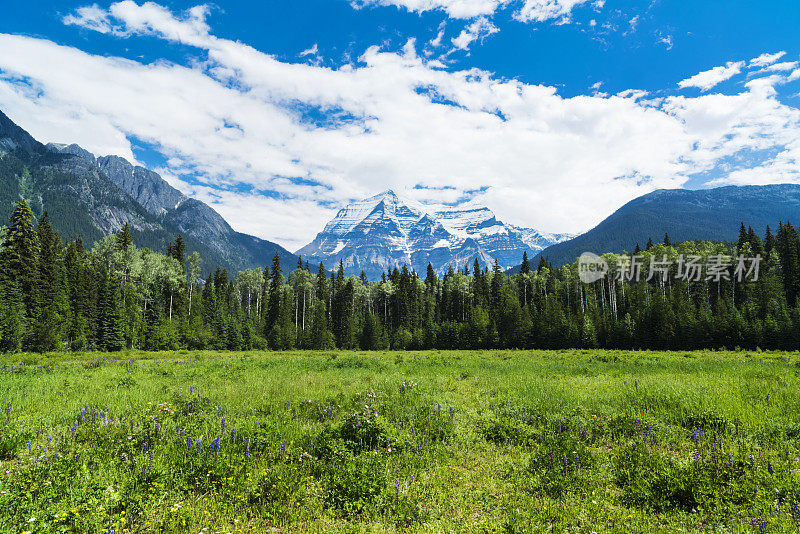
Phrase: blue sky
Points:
(551, 112)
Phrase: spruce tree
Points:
(525, 268)
(769, 241)
(50, 299)
(742, 238)
(274, 304)
(124, 237)
(667, 242)
(20, 255)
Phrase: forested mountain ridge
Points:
(94, 197)
(57, 296)
(707, 214)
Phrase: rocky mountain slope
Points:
(386, 231)
(93, 197)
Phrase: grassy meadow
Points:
(451, 441)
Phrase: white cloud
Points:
(480, 29)
(527, 10)
(781, 67)
(458, 9)
(90, 17)
(766, 59)
(542, 10)
(708, 79)
(313, 51)
(237, 119)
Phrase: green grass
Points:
(653, 442)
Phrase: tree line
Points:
(60, 296)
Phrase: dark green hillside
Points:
(706, 215)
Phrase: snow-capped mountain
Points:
(386, 231)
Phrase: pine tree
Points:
(526, 266)
(111, 332)
(769, 241)
(667, 242)
(756, 244)
(274, 304)
(50, 299)
(542, 264)
(124, 237)
(649, 243)
(20, 255)
(742, 238)
(179, 251)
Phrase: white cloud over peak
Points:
(235, 121)
(708, 79)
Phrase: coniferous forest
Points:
(60, 296)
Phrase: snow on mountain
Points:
(386, 231)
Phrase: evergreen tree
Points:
(124, 237)
(667, 242)
(526, 266)
(20, 254)
(274, 305)
(769, 241)
(111, 333)
(49, 296)
(742, 238)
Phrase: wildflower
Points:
(247, 451)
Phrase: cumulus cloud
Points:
(708, 79)
(526, 10)
(542, 10)
(478, 30)
(458, 9)
(766, 59)
(276, 146)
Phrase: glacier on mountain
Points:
(385, 231)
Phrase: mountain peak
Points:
(388, 230)
(12, 137)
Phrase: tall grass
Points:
(513, 441)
